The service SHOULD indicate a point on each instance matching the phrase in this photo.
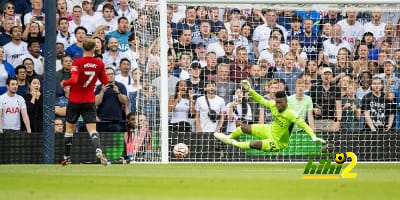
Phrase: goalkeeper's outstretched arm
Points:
(302, 124)
(257, 97)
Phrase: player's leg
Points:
(72, 115)
(89, 117)
(258, 130)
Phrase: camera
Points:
(39, 18)
(110, 86)
(213, 115)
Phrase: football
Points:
(181, 150)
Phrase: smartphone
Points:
(235, 98)
(39, 18)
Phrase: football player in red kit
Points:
(84, 74)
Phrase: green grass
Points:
(193, 181)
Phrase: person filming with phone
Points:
(239, 110)
(111, 101)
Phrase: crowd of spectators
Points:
(340, 69)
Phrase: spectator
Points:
(373, 67)
(121, 34)
(16, 47)
(240, 69)
(64, 73)
(33, 32)
(89, 14)
(181, 105)
(149, 104)
(20, 74)
(352, 29)
(276, 65)
(75, 50)
(125, 10)
(184, 44)
(113, 56)
(390, 36)
(378, 111)
(210, 116)
(361, 64)
(136, 81)
(12, 108)
(389, 77)
(172, 80)
(343, 67)
(332, 46)
(189, 22)
(110, 102)
(265, 115)
(137, 139)
(303, 104)
(246, 32)
(34, 105)
(30, 69)
(99, 49)
(225, 87)
(343, 85)
(182, 71)
(257, 82)
(9, 13)
(60, 51)
(327, 103)
(351, 107)
(58, 126)
(268, 53)
(216, 24)
(282, 45)
(296, 22)
(194, 83)
(312, 69)
(205, 36)
(289, 73)
(300, 55)
(218, 47)
(5, 36)
(239, 111)
(6, 67)
(108, 20)
(229, 57)
(63, 35)
(62, 12)
(368, 37)
(34, 54)
(200, 54)
(365, 82)
(125, 68)
(210, 71)
(376, 26)
(36, 14)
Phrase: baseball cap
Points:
(194, 65)
(90, 1)
(368, 33)
(389, 61)
(326, 69)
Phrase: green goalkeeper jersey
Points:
(283, 122)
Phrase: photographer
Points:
(111, 101)
(239, 111)
(210, 110)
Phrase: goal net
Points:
(338, 64)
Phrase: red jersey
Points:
(84, 74)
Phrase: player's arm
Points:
(25, 118)
(103, 76)
(303, 125)
(257, 97)
(74, 77)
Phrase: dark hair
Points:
(132, 36)
(80, 28)
(280, 94)
(14, 27)
(19, 67)
(177, 90)
(33, 41)
(124, 59)
(9, 79)
(122, 18)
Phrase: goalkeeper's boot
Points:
(224, 138)
(66, 161)
(103, 158)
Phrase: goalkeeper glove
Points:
(316, 139)
(246, 85)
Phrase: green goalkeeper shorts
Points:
(264, 132)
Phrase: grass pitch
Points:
(193, 181)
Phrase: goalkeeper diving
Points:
(275, 136)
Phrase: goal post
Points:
(205, 145)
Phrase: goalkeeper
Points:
(275, 136)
